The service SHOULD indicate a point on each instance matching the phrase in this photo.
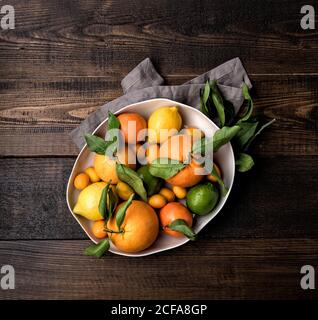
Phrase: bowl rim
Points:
(213, 214)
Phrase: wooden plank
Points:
(233, 269)
(277, 199)
(93, 38)
(36, 116)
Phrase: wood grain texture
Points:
(219, 269)
(67, 58)
(37, 115)
(277, 199)
(97, 38)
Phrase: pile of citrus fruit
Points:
(145, 179)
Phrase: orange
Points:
(187, 177)
(130, 125)
(157, 201)
(93, 176)
(179, 192)
(98, 229)
(218, 171)
(177, 147)
(106, 167)
(140, 228)
(152, 152)
(173, 211)
(195, 133)
(81, 181)
(168, 194)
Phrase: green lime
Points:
(152, 184)
(202, 198)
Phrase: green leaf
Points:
(102, 206)
(203, 146)
(113, 122)
(96, 144)
(98, 250)
(223, 136)
(203, 107)
(258, 132)
(120, 215)
(248, 112)
(218, 102)
(165, 168)
(129, 176)
(244, 162)
(181, 226)
(112, 204)
(220, 182)
(245, 134)
(206, 92)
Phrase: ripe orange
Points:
(152, 152)
(177, 147)
(130, 125)
(168, 194)
(173, 211)
(140, 228)
(187, 177)
(81, 181)
(195, 133)
(106, 167)
(98, 229)
(157, 201)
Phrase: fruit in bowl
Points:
(149, 177)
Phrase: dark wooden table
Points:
(66, 58)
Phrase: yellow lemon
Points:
(88, 201)
(163, 123)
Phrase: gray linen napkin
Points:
(144, 83)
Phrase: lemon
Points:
(163, 123)
(88, 200)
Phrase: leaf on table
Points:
(223, 136)
(98, 250)
(244, 162)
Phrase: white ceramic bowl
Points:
(191, 118)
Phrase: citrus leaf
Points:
(129, 176)
(98, 250)
(113, 122)
(259, 131)
(249, 109)
(203, 146)
(218, 102)
(206, 92)
(120, 215)
(223, 136)
(102, 206)
(96, 144)
(245, 134)
(203, 107)
(165, 168)
(244, 162)
(112, 203)
(181, 226)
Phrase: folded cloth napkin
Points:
(144, 83)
